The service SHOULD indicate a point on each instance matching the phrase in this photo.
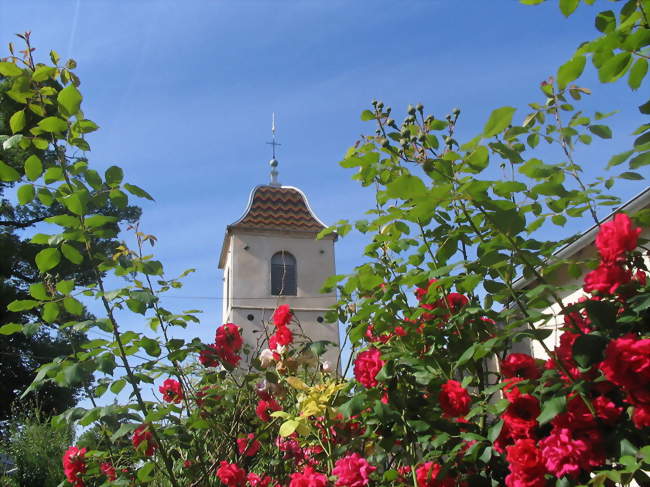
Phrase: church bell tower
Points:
(270, 257)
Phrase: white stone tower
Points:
(271, 256)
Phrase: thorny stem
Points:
(569, 155)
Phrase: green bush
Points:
(36, 447)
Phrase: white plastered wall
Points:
(250, 304)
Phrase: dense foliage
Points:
(21, 354)
(456, 275)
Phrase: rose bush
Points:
(455, 275)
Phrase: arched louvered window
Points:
(283, 274)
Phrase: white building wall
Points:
(250, 304)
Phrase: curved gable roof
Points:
(278, 208)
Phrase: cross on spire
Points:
(273, 142)
(274, 162)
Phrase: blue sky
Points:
(184, 91)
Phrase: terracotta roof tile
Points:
(279, 208)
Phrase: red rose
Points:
(282, 315)
(108, 470)
(421, 292)
(209, 356)
(606, 279)
(526, 465)
(256, 481)
(607, 410)
(352, 471)
(520, 417)
(366, 367)
(427, 476)
(142, 434)
(454, 399)
(566, 453)
(171, 391)
(308, 478)
(456, 301)
(641, 416)
(282, 336)
(74, 464)
(248, 445)
(627, 362)
(231, 474)
(520, 365)
(616, 237)
(265, 407)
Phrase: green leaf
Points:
(619, 158)
(117, 386)
(48, 259)
(53, 124)
(50, 312)
(65, 287)
(8, 173)
(33, 168)
(86, 126)
(151, 346)
(71, 375)
(570, 71)
(510, 222)
(12, 141)
(637, 73)
(406, 187)
(44, 196)
(41, 73)
(73, 306)
(605, 21)
(479, 159)
(498, 121)
(588, 349)
(551, 408)
(39, 291)
(137, 191)
(25, 194)
(114, 176)
(10, 70)
(633, 176)
(118, 198)
(614, 67)
(144, 472)
(69, 100)
(99, 220)
(17, 121)
(22, 305)
(106, 363)
(602, 131)
(67, 221)
(641, 160)
(354, 406)
(367, 115)
(76, 202)
(568, 6)
(71, 253)
(10, 329)
(645, 108)
(53, 174)
(288, 427)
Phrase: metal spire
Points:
(273, 162)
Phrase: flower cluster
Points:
(227, 343)
(74, 464)
(143, 436)
(171, 391)
(282, 336)
(615, 238)
(366, 367)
